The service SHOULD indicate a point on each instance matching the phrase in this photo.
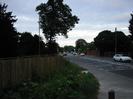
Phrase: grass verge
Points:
(66, 83)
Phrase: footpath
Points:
(122, 85)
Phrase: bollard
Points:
(111, 94)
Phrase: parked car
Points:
(82, 54)
(122, 58)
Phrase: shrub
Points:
(77, 86)
(68, 83)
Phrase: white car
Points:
(122, 58)
(74, 53)
(82, 54)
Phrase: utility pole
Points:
(39, 38)
(115, 40)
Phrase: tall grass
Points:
(61, 81)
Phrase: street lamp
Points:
(39, 37)
(115, 41)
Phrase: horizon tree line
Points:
(55, 19)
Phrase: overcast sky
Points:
(95, 16)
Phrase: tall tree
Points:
(81, 45)
(36, 45)
(8, 34)
(123, 42)
(104, 41)
(52, 47)
(55, 19)
(69, 48)
(131, 26)
(29, 45)
(131, 31)
(107, 41)
(91, 46)
(26, 42)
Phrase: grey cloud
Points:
(95, 16)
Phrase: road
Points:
(111, 75)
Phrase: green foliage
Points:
(131, 26)
(131, 31)
(8, 34)
(107, 41)
(91, 46)
(68, 83)
(29, 45)
(81, 46)
(69, 48)
(52, 47)
(123, 42)
(55, 19)
(132, 50)
(61, 49)
(72, 86)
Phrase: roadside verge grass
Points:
(66, 83)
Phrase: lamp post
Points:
(115, 41)
(39, 37)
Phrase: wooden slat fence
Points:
(15, 70)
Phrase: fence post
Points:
(111, 94)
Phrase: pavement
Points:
(122, 85)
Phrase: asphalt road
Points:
(106, 64)
(111, 75)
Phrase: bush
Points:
(78, 86)
(69, 83)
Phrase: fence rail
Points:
(16, 70)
